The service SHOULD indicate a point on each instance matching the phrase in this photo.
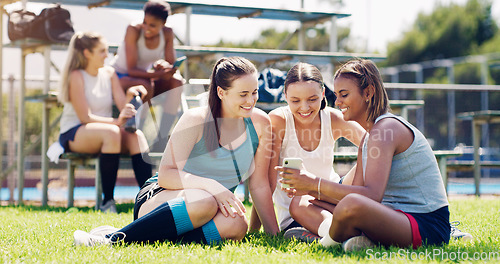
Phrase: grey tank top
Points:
(415, 184)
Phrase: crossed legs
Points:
(357, 214)
(201, 207)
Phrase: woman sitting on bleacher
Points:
(88, 91)
(145, 57)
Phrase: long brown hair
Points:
(225, 71)
(365, 74)
(304, 72)
(76, 60)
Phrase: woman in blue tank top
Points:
(397, 197)
(211, 150)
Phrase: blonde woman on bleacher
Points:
(88, 91)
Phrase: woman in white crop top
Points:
(88, 91)
(145, 58)
(306, 129)
(148, 45)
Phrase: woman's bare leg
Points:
(309, 215)
(356, 214)
(96, 138)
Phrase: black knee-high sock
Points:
(166, 222)
(108, 165)
(142, 169)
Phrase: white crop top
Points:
(319, 161)
(145, 57)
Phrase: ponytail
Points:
(225, 71)
(76, 60)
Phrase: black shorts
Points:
(148, 190)
(291, 225)
(65, 137)
(434, 227)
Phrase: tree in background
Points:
(450, 31)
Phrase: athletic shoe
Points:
(82, 238)
(302, 234)
(108, 207)
(357, 243)
(103, 230)
(455, 233)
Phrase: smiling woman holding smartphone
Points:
(307, 129)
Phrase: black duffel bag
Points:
(19, 25)
(53, 24)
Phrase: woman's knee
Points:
(134, 143)
(111, 137)
(231, 228)
(201, 204)
(350, 207)
(294, 207)
(177, 81)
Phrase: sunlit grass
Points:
(34, 234)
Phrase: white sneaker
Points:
(82, 238)
(103, 230)
(108, 207)
(85, 239)
(357, 243)
(456, 233)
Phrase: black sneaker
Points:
(302, 234)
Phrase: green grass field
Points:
(31, 234)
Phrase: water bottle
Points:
(130, 125)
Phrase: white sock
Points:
(324, 227)
(327, 241)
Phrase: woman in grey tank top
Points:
(397, 197)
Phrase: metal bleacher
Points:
(306, 18)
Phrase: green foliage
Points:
(317, 39)
(449, 31)
(45, 235)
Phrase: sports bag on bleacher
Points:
(53, 24)
(19, 24)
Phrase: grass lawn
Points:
(45, 234)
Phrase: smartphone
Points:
(179, 61)
(292, 163)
